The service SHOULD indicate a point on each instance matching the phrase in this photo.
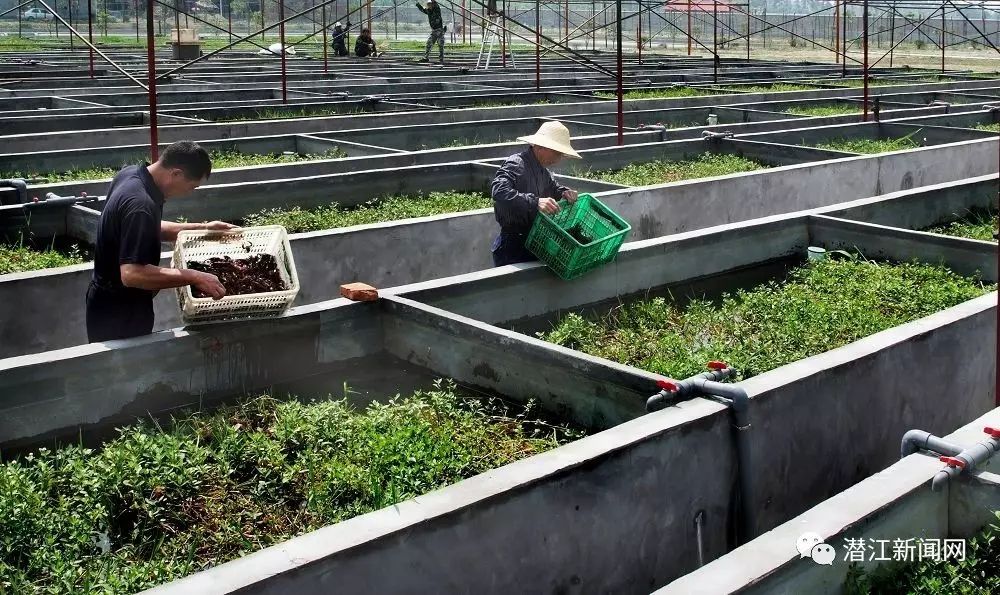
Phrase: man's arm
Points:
(170, 229)
(421, 8)
(154, 278)
(511, 206)
(140, 241)
(557, 190)
(505, 194)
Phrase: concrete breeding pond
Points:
(449, 328)
(311, 452)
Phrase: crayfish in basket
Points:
(240, 276)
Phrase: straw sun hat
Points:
(552, 135)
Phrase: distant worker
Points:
(127, 272)
(524, 186)
(364, 47)
(340, 39)
(433, 12)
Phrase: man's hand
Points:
(547, 205)
(219, 226)
(209, 284)
(570, 195)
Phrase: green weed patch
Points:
(21, 259)
(989, 127)
(668, 93)
(392, 208)
(776, 87)
(282, 114)
(662, 172)
(157, 504)
(823, 110)
(871, 146)
(220, 160)
(977, 224)
(815, 308)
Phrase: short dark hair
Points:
(189, 157)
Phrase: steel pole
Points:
(689, 26)
(843, 42)
(90, 35)
(326, 60)
(538, 45)
(715, 41)
(154, 149)
(638, 35)
(836, 30)
(281, 33)
(892, 33)
(503, 32)
(943, 25)
(864, 63)
(620, 93)
(229, 15)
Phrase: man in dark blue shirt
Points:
(126, 264)
(340, 39)
(524, 186)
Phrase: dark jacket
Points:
(516, 188)
(364, 47)
(340, 41)
(433, 15)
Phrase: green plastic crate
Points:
(552, 243)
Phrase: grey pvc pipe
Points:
(699, 522)
(54, 200)
(977, 454)
(18, 184)
(661, 127)
(709, 135)
(915, 440)
(738, 401)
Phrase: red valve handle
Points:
(993, 432)
(953, 462)
(668, 386)
(717, 365)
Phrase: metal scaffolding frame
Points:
(530, 32)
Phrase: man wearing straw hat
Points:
(524, 186)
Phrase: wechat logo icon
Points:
(811, 545)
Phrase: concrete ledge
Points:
(605, 393)
(896, 503)
(964, 256)
(922, 207)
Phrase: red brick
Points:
(359, 292)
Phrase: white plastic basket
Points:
(242, 243)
